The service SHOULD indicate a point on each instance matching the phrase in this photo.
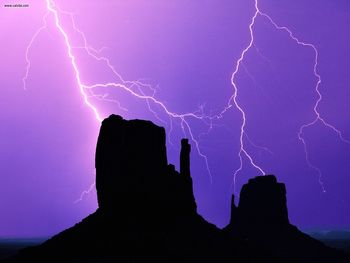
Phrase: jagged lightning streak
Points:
(50, 7)
(318, 117)
(86, 192)
(36, 34)
(126, 86)
(233, 101)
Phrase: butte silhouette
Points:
(147, 212)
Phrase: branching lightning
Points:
(43, 27)
(318, 117)
(127, 86)
(136, 89)
(233, 101)
(51, 8)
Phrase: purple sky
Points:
(186, 50)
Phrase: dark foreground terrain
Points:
(11, 246)
(339, 239)
(147, 212)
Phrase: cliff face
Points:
(262, 203)
(130, 162)
(147, 212)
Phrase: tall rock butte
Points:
(132, 173)
(147, 212)
(130, 162)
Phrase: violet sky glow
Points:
(196, 67)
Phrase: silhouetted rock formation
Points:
(263, 204)
(130, 163)
(264, 201)
(147, 212)
(261, 218)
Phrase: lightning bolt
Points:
(136, 89)
(318, 116)
(36, 34)
(86, 192)
(51, 8)
(233, 102)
